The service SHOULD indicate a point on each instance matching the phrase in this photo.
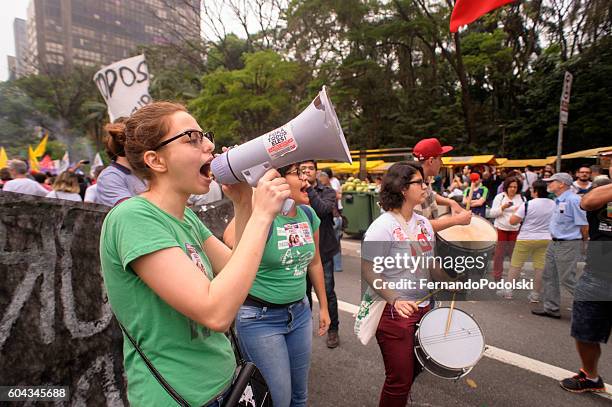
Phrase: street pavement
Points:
(352, 374)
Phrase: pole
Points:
(559, 147)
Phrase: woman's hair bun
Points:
(115, 141)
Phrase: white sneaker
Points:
(534, 297)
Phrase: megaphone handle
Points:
(287, 205)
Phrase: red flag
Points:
(466, 11)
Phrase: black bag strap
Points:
(524, 217)
(177, 397)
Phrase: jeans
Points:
(338, 256)
(332, 300)
(560, 268)
(279, 342)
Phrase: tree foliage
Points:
(395, 72)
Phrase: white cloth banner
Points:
(124, 86)
(65, 163)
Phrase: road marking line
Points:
(507, 357)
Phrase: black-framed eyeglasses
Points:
(196, 138)
(297, 172)
(421, 182)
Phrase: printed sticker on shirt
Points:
(399, 235)
(279, 142)
(283, 244)
(562, 207)
(195, 257)
(280, 231)
(424, 237)
(298, 234)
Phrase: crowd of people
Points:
(163, 268)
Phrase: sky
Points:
(10, 10)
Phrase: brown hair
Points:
(66, 182)
(510, 180)
(143, 131)
(115, 140)
(395, 182)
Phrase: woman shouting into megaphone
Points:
(173, 286)
(274, 325)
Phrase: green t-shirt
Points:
(196, 361)
(281, 277)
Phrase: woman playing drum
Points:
(396, 232)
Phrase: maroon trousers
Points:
(503, 248)
(395, 336)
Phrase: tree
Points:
(245, 103)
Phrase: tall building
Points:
(65, 33)
(21, 46)
(11, 62)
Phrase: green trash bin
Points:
(374, 208)
(356, 207)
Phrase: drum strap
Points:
(524, 217)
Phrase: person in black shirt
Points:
(323, 201)
(592, 307)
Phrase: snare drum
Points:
(450, 356)
(476, 239)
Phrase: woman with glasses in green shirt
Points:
(174, 286)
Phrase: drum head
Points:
(478, 235)
(461, 348)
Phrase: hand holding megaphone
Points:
(271, 193)
(313, 135)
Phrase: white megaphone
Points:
(314, 135)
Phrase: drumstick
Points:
(427, 296)
(450, 315)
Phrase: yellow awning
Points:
(467, 160)
(332, 166)
(534, 162)
(590, 153)
(382, 167)
(500, 161)
(354, 167)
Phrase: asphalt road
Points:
(352, 374)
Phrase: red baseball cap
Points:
(428, 148)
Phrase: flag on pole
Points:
(97, 162)
(33, 161)
(467, 11)
(3, 158)
(65, 163)
(39, 151)
(46, 164)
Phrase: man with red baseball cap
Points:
(428, 152)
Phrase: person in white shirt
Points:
(66, 186)
(529, 177)
(91, 193)
(533, 238)
(504, 205)
(20, 182)
(396, 232)
(582, 185)
(213, 195)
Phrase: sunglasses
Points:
(196, 138)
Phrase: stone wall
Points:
(56, 326)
